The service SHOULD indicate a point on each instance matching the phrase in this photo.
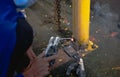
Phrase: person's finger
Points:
(30, 53)
(43, 74)
(42, 54)
(51, 57)
(33, 54)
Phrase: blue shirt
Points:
(8, 21)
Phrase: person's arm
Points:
(24, 3)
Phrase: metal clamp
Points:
(52, 49)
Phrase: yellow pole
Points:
(81, 22)
(81, 19)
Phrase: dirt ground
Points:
(104, 31)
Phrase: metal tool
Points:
(52, 46)
(52, 49)
(78, 65)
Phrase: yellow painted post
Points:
(81, 19)
(81, 22)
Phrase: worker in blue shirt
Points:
(16, 37)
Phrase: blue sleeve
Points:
(19, 75)
(24, 3)
(7, 30)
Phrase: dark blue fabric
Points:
(8, 21)
(19, 75)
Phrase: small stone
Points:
(60, 60)
(118, 25)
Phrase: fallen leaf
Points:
(113, 34)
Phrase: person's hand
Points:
(39, 66)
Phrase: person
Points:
(16, 36)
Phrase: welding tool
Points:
(52, 46)
(52, 49)
(78, 65)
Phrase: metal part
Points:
(58, 13)
(71, 53)
(52, 46)
(49, 45)
(52, 49)
(78, 65)
(68, 2)
(70, 68)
